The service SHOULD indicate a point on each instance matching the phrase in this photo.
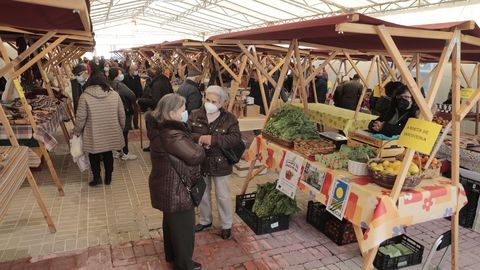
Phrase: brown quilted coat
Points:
(225, 133)
(172, 138)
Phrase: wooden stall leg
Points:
(70, 112)
(51, 168)
(41, 203)
(359, 235)
(249, 176)
(368, 259)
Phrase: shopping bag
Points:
(76, 146)
(83, 163)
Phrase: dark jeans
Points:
(136, 113)
(107, 163)
(125, 137)
(179, 238)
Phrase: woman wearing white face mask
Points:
(115, 75)
(216, 129)
(174, 156)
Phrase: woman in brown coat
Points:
(174, 155)
(100, 118)
(215, 128)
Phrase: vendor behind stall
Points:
(402, 108)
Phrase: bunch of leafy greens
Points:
(289, 123)
(271, 202)
(362, 153)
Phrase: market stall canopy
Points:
(37, 17)
(328, 32)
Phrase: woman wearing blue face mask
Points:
(216, 129)
(174, 156)
(392, 121)
(116, 76)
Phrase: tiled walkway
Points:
(115, 227)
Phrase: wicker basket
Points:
(387, 180)
(314, 151)
(281, 142)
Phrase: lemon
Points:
(386, 163)
(413, 169)
(373, 164)
(389, 170)
(397, 163)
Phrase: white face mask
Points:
(120, 77)
(80, 79)
(210, 107)
(184, 117)
(106, 69)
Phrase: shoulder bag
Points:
(197, 190)
(233, 154)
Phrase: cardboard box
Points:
(252, 111)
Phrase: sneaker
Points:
(118, 154)
(129, 156)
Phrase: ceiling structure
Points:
(203, 18)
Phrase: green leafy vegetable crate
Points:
(398, 252)
(259, 225)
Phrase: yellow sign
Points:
(419, 135)
(19, 88)
(376, 91)
(329, 85)
(467, 92)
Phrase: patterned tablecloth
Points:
(338, 118)
(370, 205)
(45, 132)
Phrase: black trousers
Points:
(107, 163)
(179, 238)
(125, 137)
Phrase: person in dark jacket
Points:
(321, 85)
(350, 94)
(190, 90)
(158, 87)
(78, 84)
(256, 93)
(402, 108)
(132, 80)
(215, 128)
(116, 77)
(173, 150)
(382, 106)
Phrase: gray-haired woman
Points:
(214, 128)
(174, 156)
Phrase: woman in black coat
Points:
(392, 122)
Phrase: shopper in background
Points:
(401, 109)
(256, 93)
(78, 84)
(190, 90)
(173, 149)
(350, 93)
(132, 80)
(337, 95)
(100, 119)
(382, 106)
(215, 128)
(321, 85)
(116, 77)
(158, 87)
(106, 68)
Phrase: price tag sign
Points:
(289, 176)
(467, 92)
(419, 135)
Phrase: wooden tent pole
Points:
(281, 79)
(262, 87)
(474, 72)
(417, 68)
(456, 73)
(314, 87)
(465, 77)
(236, 84)
(301, 77)
(365, 84)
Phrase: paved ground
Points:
(116, 228)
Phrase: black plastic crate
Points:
(243, 208)
(385, 262)
(339, 231)
(468, 212)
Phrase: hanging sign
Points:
(290, 174)
(313, 177)
(467, 92)
(337, 201)
(419, 135)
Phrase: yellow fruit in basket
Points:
(386, 163)
(389, 170)
(380, 168)
(413, 169)
(397, 163)
(373, 164)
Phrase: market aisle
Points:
(116, 227)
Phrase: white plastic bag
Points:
(76, 146)
(83, 163)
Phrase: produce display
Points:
(337, 160)
(314, 147)
(362, 153)
(440, 120)
(288, 123)
(271, 202)
(393, 167)
(395, 250)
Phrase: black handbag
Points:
(197, 190)
(234, 154)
